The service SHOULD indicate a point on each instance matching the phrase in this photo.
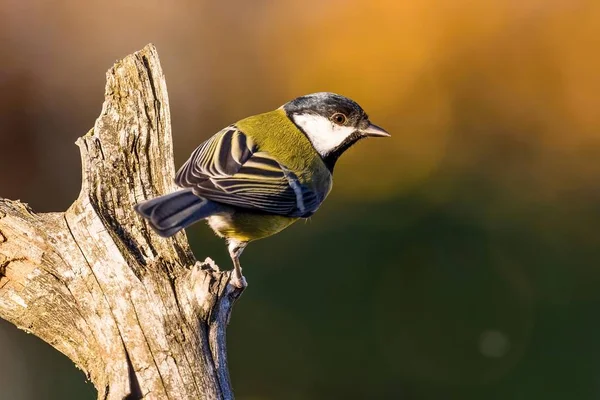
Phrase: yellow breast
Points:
(247, 226)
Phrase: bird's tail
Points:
(171, 213)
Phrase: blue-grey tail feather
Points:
(171, 213)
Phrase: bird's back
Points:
(277, 135)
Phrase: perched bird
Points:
(261, 174)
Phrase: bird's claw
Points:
(239, 281)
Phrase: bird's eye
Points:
(339, 118)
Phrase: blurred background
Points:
(456, 260)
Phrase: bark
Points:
(134, 311)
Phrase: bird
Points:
(261, 174)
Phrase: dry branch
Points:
(134, 311)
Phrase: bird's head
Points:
(332, 123)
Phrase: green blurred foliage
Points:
(456, 260)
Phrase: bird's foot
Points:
(238, 281)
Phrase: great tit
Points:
(260, 175)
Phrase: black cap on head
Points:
(327, 104)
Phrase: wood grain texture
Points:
(134, 311)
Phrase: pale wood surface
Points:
(134, 311)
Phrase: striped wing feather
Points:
(230, 168)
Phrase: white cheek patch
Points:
(323, 134)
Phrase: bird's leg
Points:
(238, 279)
(235, 251)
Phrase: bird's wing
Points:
(230, 168)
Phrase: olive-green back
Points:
(277, 135)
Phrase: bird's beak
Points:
(374, 131)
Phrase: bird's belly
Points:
(247, 226)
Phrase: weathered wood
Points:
(131, 309)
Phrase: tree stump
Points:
(134, 311)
